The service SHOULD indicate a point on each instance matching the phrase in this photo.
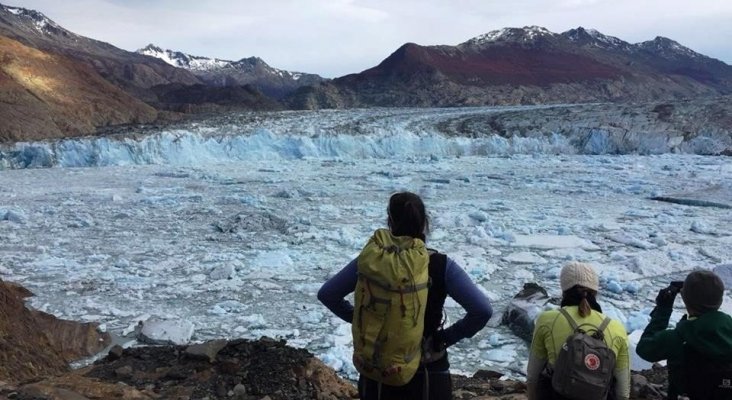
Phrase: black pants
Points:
(439, 387)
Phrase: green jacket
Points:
(710, 334)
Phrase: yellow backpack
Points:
(390, 301)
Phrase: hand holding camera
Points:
(666, 296)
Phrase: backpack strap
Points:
(571, 321)
(603, 325)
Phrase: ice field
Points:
(240, 248)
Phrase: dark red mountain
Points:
(527, 66)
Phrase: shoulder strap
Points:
(433, 317)
(571, 321)
(604, 325)
(573, 324)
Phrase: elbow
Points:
(645, 352)
(323, 295)
(484, 314)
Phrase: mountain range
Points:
(529, 65)
(55, 83)
(271, 81)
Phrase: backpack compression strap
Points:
(575, 328)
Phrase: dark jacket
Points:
(710, 334)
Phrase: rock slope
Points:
(55, 83)
(34, 344)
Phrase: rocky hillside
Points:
(49, 95)
(126, 69)
(36, 347)
(527, 65)
(252, 71)
(54, 83)
(34, 344)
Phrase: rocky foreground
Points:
(36, 348)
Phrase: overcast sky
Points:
(337, 37)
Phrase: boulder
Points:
(523, 309)
(206, 351)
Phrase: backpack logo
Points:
(726, 384)
(592, 362)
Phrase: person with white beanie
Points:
(580, 284)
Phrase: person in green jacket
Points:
(704, 329)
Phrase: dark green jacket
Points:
(710, 334)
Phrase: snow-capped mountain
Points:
(35, 19)
(668, 48)
(592, 37)
(182, 60)
(527, 34)
(253, 70)
(529, 65)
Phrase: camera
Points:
(676, 286)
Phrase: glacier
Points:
(343, 134)
(233, 226)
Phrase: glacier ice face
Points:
(344, 135)
(189, 148)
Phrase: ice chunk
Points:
(614, 287)
(548, 242)
(228, 306)
(703, 228)
(178, 332)
(274, 259)
(479, 216)
(631, 287)
(524, 257)
(636, 363)
(725, 273)
(222, 272)
(253, 321)
(505, 354)
(637, 321)
(13, 216)
(623, 238)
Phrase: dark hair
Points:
(584, 298)
(407, 216)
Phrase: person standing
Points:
(408, 227)
(579, 308)
(699, 348)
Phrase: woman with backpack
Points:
(578, 327)
(397, 317)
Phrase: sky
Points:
(337, 37)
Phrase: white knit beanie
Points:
(578, 273)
